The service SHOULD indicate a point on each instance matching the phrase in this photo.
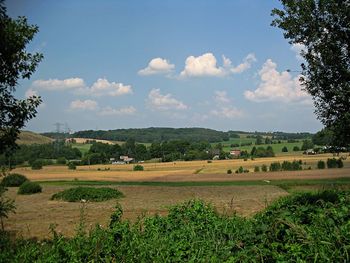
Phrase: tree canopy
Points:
(322, 27)
(15, 64)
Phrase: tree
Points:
(307, 144)
(15, 64)
(323, 29)
(284, 149)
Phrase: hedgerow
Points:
(307, 227)
(88, 194)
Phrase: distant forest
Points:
(150, 135)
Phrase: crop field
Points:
(187, 171)
(159, 186)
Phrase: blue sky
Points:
(130, 64)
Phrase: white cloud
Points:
(276, 86)
(164, 102)
(56, 84)
(157, 66)
(206, 65)
(221, 97)
(83, 105)
(103, 87)
(246, 64)
(227, 112)
(30, 93)
(109, 111)
(298, 49)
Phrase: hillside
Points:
(27, 137)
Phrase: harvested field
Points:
(189, 171)
(35, 213)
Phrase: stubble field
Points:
(155, 189)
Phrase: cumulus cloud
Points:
(246, 64)
(206, 65)
(298, 49)
(164, 102)
(221, 97)
(56, 84)
(227, 112)
(276, 86)
(157, 66)
(109, 111)
(83, 105)
(103, 87)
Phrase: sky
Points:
(161, 63)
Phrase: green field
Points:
(83, 147)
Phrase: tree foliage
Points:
(323, 28)
(15, 64)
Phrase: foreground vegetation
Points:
(300, 227)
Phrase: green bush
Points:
(88, 193)
(296, 148)
(256, 169)
(291, 166)
(334, 163)
(321, 164)
(276, 166)
(37, 164)
(29, 187)
(264, 168)
(239, 170)
(284, 149)
(72, 166)
(138, 167)
(61, 160)
(13, 180)
(229, 171)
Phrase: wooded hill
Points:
(155, 134)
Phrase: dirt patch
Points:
(35, 213)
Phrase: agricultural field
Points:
(27, 137)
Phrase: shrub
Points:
(61, 160)
(264, 168)
(256, 169)
(239, 170)
(334, 163)
(276, 166)
(88, 193)
(72, 166)
(138, 168)
(37, 164)
(209, 161)
(13, 180)
(29, 187)
(296, 148)
(321, 164)
(229, 171)
(291, 166)
(284, 149)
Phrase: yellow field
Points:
(185, 171)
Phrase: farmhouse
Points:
(235, 153)
(126, 158)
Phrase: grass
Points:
(281, 183)
(82, 147)
(27, 137)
